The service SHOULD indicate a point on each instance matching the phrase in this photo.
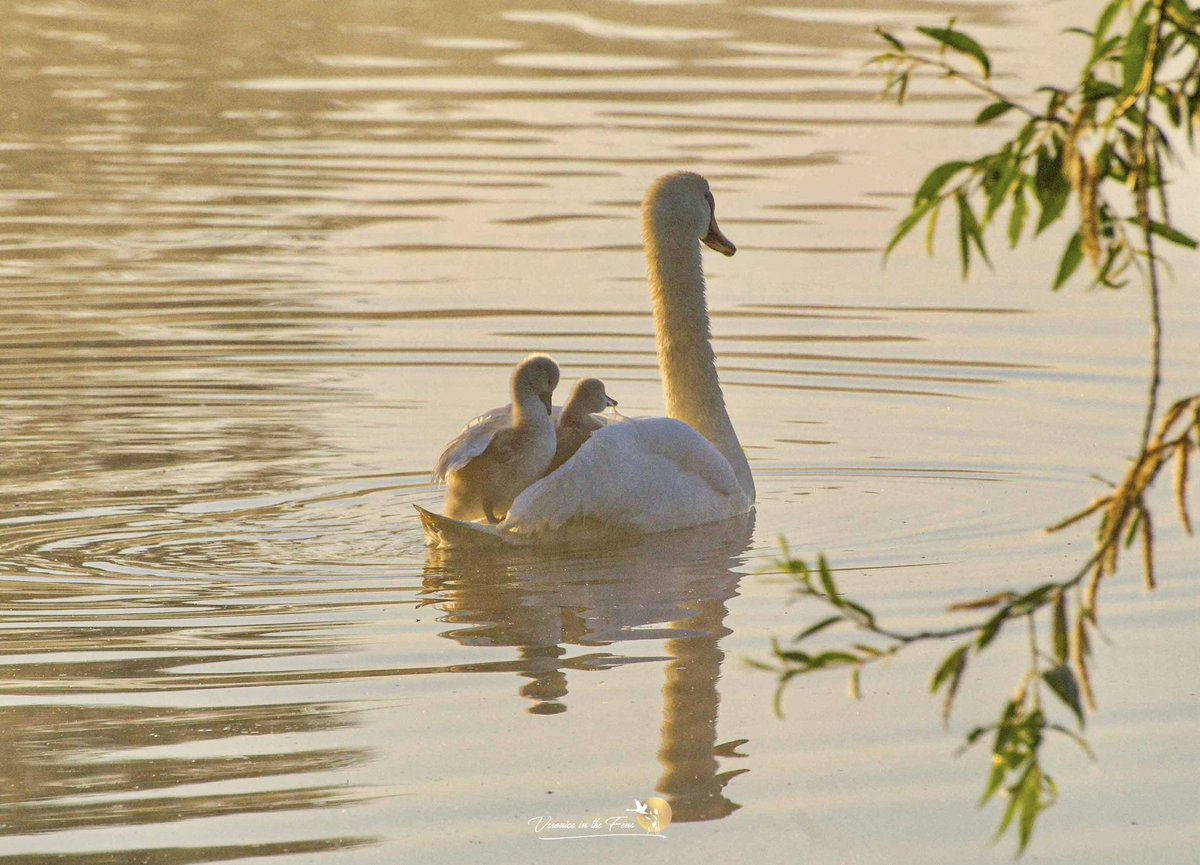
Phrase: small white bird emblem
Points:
(643, 809)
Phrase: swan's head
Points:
(588, 397)
(682, 205)
(537, 375)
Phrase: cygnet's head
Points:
(537, 374)
(681, 205)
(588, 397)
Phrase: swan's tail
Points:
(447, 533)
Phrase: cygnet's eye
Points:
(712, 204)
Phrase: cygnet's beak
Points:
(718, 241)
(612, 403)
(545, 398)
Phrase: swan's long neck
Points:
(685, 354)
(529, 411)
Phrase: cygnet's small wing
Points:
(471, 442)
(474, 440)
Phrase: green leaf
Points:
(1106, 17)
(1095, 89)
(1031, 600)
(1001, 180)
(1016, 220)
(1014, 800)
(995, 779)
(956, 660)
(1172, 234)
(991, 112)
(819, 626)
(1102, 24)
(1058, 626)
(1062, 682)
(972, 737)
(1072, 255)
(864, 615)
(906, 225)
(931, 228)
(974, 229)
(936, 179)
(827, 581)
(990, 629)
(1137, 43)
(964, 236)
(961, 43)
(794, 657)
(1030, 805)
(1181, 14)
(1049, 186)
(952, 690)
(825, 659)
(889, 38)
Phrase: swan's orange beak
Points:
(718, 241)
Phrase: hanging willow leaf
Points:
(907, 224)
(936, 179)
(1062, 682)
(1072, 255)
(1147, 550)
(827, 582)
(1031, 805)
(991, 112)
(1172, 234)
(1103, 23)
(1136, 45)
(961, 43)
(990, 629)
(1182, 452)
(1058, 626)
(1016, 220)
(1181, 14)
(889, 38)
(817, 628)
(1051, 188)
(1080, 649)
(956, 660)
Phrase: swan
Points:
(484, 479)
(645, 475)
(576, 422)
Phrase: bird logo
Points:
(653, 815)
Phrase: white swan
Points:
(652, 474)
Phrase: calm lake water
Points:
(261, 260)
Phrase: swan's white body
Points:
(642, 475)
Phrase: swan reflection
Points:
(671, 587)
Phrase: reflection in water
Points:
(249, 251)
(673, 586)
(91, 767)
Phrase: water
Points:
(260, 261)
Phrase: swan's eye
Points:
(712, 204)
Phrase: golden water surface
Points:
(261, 260)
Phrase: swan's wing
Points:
(474, 440)
(648, 475)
